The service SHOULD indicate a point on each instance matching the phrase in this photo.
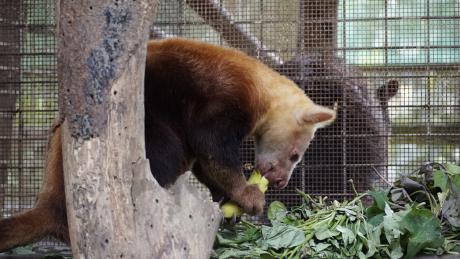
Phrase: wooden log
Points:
(115, 207)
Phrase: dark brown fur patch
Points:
(222, 75)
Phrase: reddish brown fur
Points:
(228, 68)
(201, 101)
(48, 216)
(233, 70)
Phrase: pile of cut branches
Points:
(420, 213)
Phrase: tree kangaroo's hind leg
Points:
(48, 216)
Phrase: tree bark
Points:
(115, 207)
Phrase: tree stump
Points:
(115, 207)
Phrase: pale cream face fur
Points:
(284, 132)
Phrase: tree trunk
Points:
(115, 207)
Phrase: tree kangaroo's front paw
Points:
(251, 200)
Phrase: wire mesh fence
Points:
(28, 98)
(28, 92)
(392, 66)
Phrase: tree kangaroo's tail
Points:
(48, 216)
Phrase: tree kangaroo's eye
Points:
(294, 158)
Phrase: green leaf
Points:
(396, 250)
(324, 233)
(267, 256)
(456, 183)
(391, 225)
(451, 207)
(276, 211)
(234, 253)
(320, 247)
(282, 236)
(456, 248)
(348, 236)
(335, 243)
(379, 199)
(396, 194)
(424, 231)
(375, 217)
(453, 169)
(23, 250)
(240, 234)
(371, 248)
(440, 180)
(376, 212)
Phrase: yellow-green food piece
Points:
(231, 209)
(257, 178)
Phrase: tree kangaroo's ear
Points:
(387, 91)
(317, 115)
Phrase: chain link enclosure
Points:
(392, 66)
(28, 98)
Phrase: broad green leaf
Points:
(335, 243)
(456, 183)
(282, 236)
(375, 212)
(440, 180)
(388, 210)
(456, 248)
(375, 217)
(276, 211)
(451, 208)
(320, 247)
(23, 250)
(371, 248)
(424, 231)
(396, 250)
(324, 233)
(453, 169)
(239, 235)
(373, 238)
(379, 199)
(234, 253)
(396, 194)
(451, 211)
(391, 225)
(348, 236)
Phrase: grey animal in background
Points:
(356, 145)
